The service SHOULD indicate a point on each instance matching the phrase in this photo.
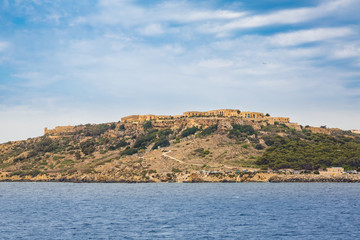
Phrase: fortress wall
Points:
(58, 130)
(251, 115)
(256, 116)
(272, 120)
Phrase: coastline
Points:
(187, 178)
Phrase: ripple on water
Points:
(179, 211)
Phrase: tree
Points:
(189, 131)
(241, 131)
(87, 147)
(78, 155)
(208, 130)
(161, 143)
(147, 125)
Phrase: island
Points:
(226, 145)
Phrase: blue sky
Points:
(91, 61)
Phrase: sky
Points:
(65, 62)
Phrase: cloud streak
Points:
(310, 35)
(289, 16)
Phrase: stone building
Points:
(59, 130)
(213, 113)
(335, 170)
(251, 115)
(272, 120)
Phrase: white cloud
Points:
(128, 14)
(4, 46)
(36, 79)
(308, 36)
(215, 63)
(194, 15)
(347, 51)
(289, 16)
(152, 30)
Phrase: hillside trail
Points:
(165, 154)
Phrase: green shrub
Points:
(87, 147)
(208, 131)
(78, 155)
(269, 139)
(143, 141)
(241, 131)
(95, 130)
(129, 151)
(189, 131)
(147, 125)
(259, 146)
(311, 152)
(122, 143)
(246, 146)
(161, 143)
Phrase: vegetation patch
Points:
(312, 152)
(241, 132)
(189, 131)
(208, 131)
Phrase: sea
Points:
(179, 210)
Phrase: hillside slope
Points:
(192, 149)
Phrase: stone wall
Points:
(213, 113)
(59, 130)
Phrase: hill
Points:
(190, 149)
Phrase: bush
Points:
(32, 173)
(31, 154)
(189, 131)
(46, 145)
(269, 140)
(122, 143)
(165, 132)
(311, 152)
(87, 147)
(129, 151)
(208, 131)
(201, 152)
(259, 146)
(95, 130)
(161, 143)
(241, 131)
(143, 141)
(78, 155)
(19, 159)
(147, 125)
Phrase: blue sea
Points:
(179, 211)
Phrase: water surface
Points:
(179, 211)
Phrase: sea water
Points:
(179, 211)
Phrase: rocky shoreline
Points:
(187, 178)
